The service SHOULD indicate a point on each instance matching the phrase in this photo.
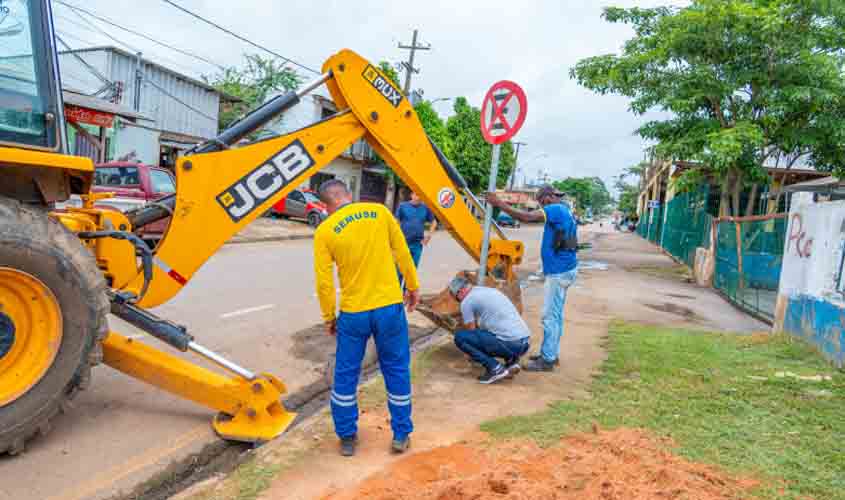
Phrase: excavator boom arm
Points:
(221, 190)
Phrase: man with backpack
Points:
(560, 266)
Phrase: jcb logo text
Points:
(258, 186)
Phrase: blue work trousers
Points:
(554, 304)
(484, 347)
(389, 328)
(416, 253)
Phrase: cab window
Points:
(25, 79)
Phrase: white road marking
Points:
(248, 310)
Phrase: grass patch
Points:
(720, 398)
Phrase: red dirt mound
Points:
(623, 464)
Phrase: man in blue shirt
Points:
(560, 266)
(413, 216)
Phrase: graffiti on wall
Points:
(840, 281)
(803, 245)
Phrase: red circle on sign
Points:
(499, 122)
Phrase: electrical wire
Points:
(79, 58)
(180, 101)
(103, 32)
(141, 35)
(239, 37)
(171, 62)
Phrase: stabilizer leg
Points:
(250, 410)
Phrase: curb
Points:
(236, 241)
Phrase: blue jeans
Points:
(389, 327)
(416, 252)
(484, 348)
(554, 303)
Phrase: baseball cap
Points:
(457, 284)
(547, 190)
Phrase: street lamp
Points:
(441, 99)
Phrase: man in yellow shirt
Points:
(366, 243)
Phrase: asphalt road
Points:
(246, 303)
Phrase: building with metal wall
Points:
(180, 111)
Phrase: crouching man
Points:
(492, 329)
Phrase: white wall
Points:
(142, 141)
(307, 112)
(813, 251)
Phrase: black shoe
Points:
(347, 446)
(513, 367)
(492, 376)
(535, 357)
(399, 446)
(539, 365)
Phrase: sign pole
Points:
(488, 215)
(502, 115)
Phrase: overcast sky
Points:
(474, 43)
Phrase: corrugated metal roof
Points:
(199, 83)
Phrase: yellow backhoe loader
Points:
(63, 271)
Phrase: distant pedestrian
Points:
(560, 266)
(413, 215)
(362, 240)
(492, 328)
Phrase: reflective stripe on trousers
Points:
(389, 328)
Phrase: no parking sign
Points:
(503, 112)
(502, 115)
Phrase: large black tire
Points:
(32, 242)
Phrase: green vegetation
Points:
(740, 84)
(736, 401)
(589, 193)
(253, 84)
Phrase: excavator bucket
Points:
(444, 311)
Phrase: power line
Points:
(141, 35)
(101, 31)
(239, 37)
(107, 84)
(180, 101)
(98, 32)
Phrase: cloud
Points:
(474, 43)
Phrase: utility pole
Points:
(409, 65)
(515, 163)
(390, 195)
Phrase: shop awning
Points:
(81, 108)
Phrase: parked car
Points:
(135, 185)
(506, 220)
(301, 204)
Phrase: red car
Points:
(301, 204)
(134, 185)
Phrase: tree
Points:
(589, 193)
(746, 83)
(629, 191)
(253, 84)
(434, 126)
(390, 72)
(470, 153)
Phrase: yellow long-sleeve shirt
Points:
(366, 243)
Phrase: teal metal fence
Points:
(687, 225)
(749, 256)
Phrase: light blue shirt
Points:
(492, 311)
